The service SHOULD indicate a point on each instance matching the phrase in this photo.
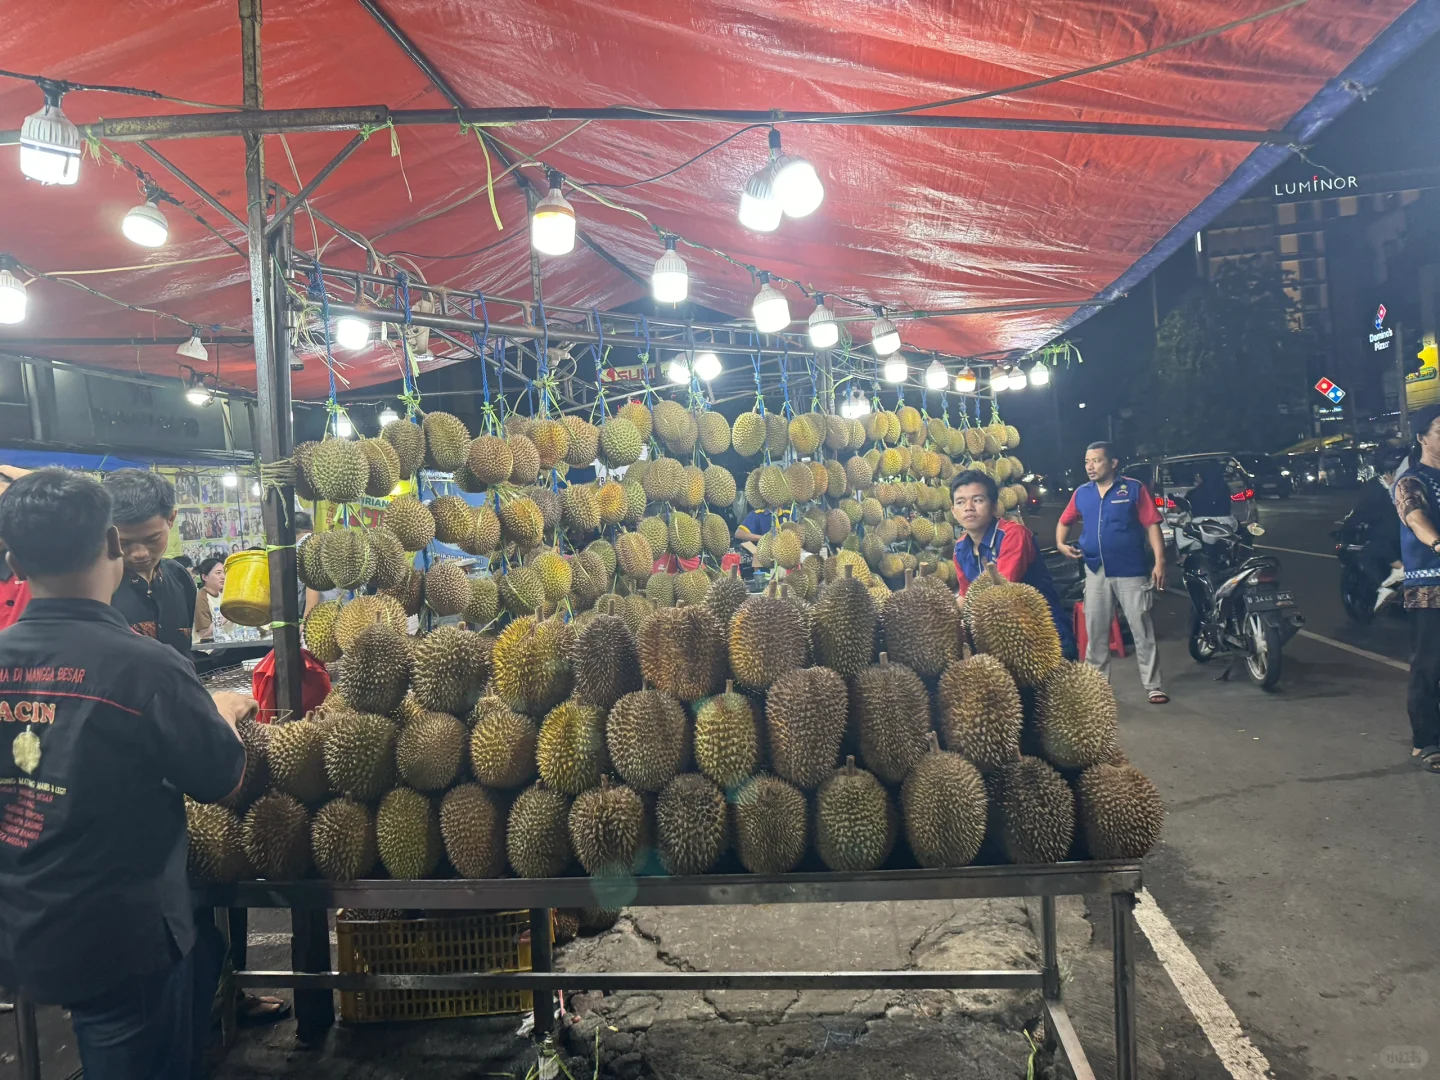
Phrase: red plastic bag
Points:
(314, 685)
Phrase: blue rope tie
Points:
(317, 290)
(481, 345)
(785, 374)
(402, 298)
(599, 350)
(759, 391)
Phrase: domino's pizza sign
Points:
(1383, 335)
(1330, 390)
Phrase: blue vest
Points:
(1422, 563)
(1111, 535)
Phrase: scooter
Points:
(1367, 585)
(1237, 607)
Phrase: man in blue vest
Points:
(1417, 500)
(1117, 517)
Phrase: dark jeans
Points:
(1424, 677)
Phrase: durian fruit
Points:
(1036, 812)
(1121, 811)
(747, 434)
(800, 481)
(606, 662)
(837, 527)
(571, 750)
(484, 603)
(855, 821)
(768, 637)
(276, 837)
(217, 850)
(521, 591)
(377, 669)
(303, 458)
(537, 835)
(682, 651)
(580, 509)
(319, 630)
(771, 485)
(406, 595)
(607, 825)
(521, 521)
(890, 714)
(634, 554)
(805, 712)
(660, 590)
(255, 738)
(531, 662)
(502, 745)
(489, 460)
(647, 738)
(683, 536)
(339, 470)
(777, 434)
(786, 549)
(392, 566)
(727, 738)
(980, 714)
(342, 836)
(429, 750)
(552, 511)
(384, 465)
(360, 755)
(692, 488)
(610, 503)
(922, 626)
(584, 441)
(944, 806)
(714, 434)
(673, 423)
(555, 575)
(1076, 714)
(449, 667)
(346, 556)
(454, 519)
(837, 484)
(691, 587)
(655, 530)
(725, 595)
(297, 760)
(447, 588)
(1013, 623)
(638, 414)
(524, 460)
(407, 833)
(858, 474)
(309, 566)
(447, 441)
(771, 825)
(635, 501)
(662, 479)
(692, 824)
(620, 442)
(836, 564)
(845, 622)
(409, 519)
(408, 439)
(552, 441)
(472, 829)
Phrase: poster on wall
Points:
(211, 519)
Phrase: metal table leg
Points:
(28, 1038)
(1050, 968)
(310, 951)
(542, 959)
(1127, 1065)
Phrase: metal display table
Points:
(313, 981)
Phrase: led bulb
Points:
(707, 366)
(255, 490)
(352, 333)
(230, 480)
(1039, 375)
(146, 225)
(552, 225)
(12, 298)
(966, 380)
(771, 310)
(678, 372)
(388, 417)
(1017, 380)
(670, 280)
(760, 210)
(343, 427)
(824, 330)
(884, 338)
(50, 147)
(895, 370)
(797, 186)
(936, 377)
(198, 396)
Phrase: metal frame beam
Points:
(278, 221)
(205, 196)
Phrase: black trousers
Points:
(1424, 698)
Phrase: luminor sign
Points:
(1318, 183)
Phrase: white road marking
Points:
(1399, 665)
(1298, 551)
(1210, 1009)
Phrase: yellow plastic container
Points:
(246, 599)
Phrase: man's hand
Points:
(235, 707)
(1071, 551)
(1157, 576)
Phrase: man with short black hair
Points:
(1117, 517)
(102, 734)
(156, 595)
(14, 593)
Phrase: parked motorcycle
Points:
(1367, 583)
(1238, 608)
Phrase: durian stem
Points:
(884, 659)
(934, 741)
(850, 765)
(729, 686)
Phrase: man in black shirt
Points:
(102, 733)
(156, 595)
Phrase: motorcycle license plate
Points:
(1269, 601)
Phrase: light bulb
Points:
(936, 377)
(760, 210)
(824, 330)
(707, 366)
(1039, 375)
(343, 427)
(678, 372)
(797, 186)
(552, 225)
(854, 406)
(895, 370)
(12, 298)
(255, 489)
(145, 225)
(999, 380)
(771, 309)
(388, 417)
(230, 480)
(884, 338)
(50, 146)
(1017, 380)
(198, 396)
(670, 280)
(966, 380)
(352, 333)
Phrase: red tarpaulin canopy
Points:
(914, 218)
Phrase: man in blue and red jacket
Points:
(1006, 545)
(1118, 517)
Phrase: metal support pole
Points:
(542, 958)
(1127, 1061)
(310, 952)
(319, 178)
(1050, 961)
(1402, 399)
(28, 1038)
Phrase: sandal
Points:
(256, 1011)
(1159, 697)
(1429, 759)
